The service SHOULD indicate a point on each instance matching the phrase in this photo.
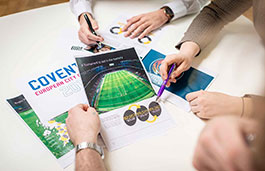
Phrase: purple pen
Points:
(163, 86)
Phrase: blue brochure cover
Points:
(189, 81)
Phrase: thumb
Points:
(165, 64)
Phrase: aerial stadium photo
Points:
(113, 80)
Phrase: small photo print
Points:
(99, 48)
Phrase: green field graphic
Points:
(53, 134)
(121, 88)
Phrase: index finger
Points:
(130, 22)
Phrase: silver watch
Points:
(90, 145)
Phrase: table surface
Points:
(27, 44)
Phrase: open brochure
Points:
(118, 87)
(115, 83)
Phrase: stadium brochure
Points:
(52, 134)
(189, 81)
(48, 94)
(117, 86)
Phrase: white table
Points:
(27, 42)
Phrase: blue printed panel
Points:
(189, 81)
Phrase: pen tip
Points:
(157, 98)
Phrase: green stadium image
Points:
(118, 81)
(120, 88)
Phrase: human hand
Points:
(222, 145)
(85, 35)
(209, 104)
(83, 124)
(143, 24)
(183, 61)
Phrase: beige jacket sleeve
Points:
(212, 19)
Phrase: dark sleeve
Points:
(212, 19)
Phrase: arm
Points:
(212, 19)
(88, 159)
(202, 30)
(185, 7)
(83, 125)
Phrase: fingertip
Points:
(124, 29)
(141, 36)
(187, 97)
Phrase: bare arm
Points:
(88, 159)
(83, 125)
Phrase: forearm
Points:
(89, 159)
(254, 106)
(212, 19)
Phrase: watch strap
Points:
(90, 145)
(168, 12)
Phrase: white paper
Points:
(54, 91)
(116, 133)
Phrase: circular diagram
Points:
(155, 109)
(154, 68)
(145, 40)
(142, 113)
(116, 30)
(129, 117)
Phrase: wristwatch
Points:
(168, 12)
(90, 145)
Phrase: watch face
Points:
(169, 12)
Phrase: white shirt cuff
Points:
(80, 6)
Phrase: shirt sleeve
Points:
(80, 6)
(212, 19)
(185, 7)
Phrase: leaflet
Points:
(189, 81)
(53, 133)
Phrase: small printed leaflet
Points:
(53, 133)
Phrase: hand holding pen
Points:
(183, 60)
(85, 33)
